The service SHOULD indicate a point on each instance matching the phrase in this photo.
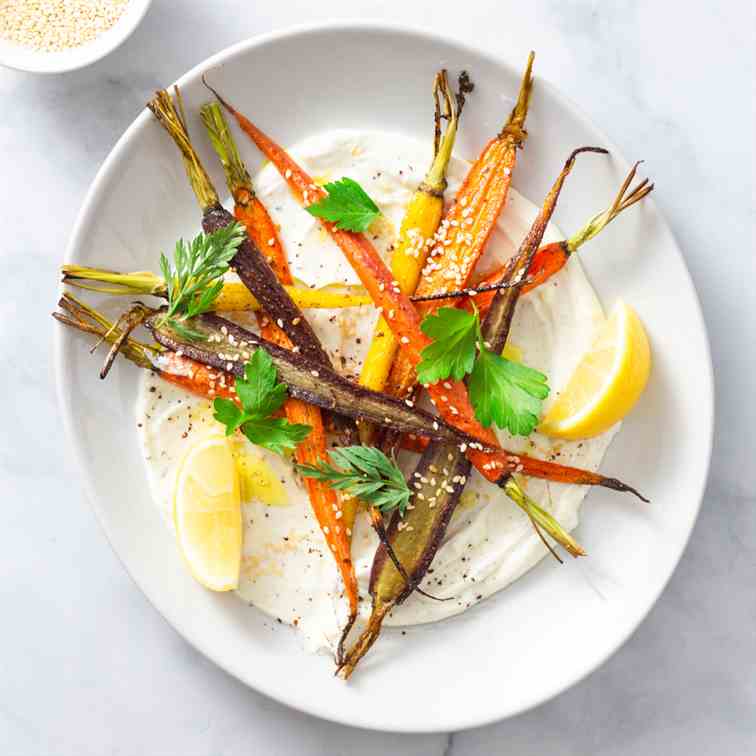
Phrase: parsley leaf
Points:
(501, 391)
(506, 393)
(260, 395)
(275, 433)
(347, 205)
(193, 283)
(365, 473)
(452, 353)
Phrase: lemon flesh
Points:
(207, 514)
(607, 382)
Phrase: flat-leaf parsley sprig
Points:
(365, 473)
(260, 395)
(196, 281)
(347, 205)
(501, 391)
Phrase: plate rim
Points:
(343, 26)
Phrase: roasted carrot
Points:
(181, 371)
(551, 258)
(335, 517)
(469, 223)
(249, 261)
(225, 345)
(450, 398)
(420, 223)
(234, 296)
(414, 539)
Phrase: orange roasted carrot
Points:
(551, 258)
(468, 224)
(450, 398)
(335, 518)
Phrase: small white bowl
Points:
(36, 61)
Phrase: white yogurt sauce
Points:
(287, 570)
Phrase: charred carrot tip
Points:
(580, 150)
(220, 99)
(617, 485)
(363, 644)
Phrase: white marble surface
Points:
(88, 667)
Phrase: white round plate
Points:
(556, 624)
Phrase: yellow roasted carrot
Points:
(235, 296)
(418, 228)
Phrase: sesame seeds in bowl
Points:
(53, 36)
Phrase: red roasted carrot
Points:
(450, 398)
(335, 518)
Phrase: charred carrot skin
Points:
(334, 518)
(453, 403)
(414, 541)
(225, 345)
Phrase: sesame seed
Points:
(271, 241)
(314, 373)
(57, 25)
(287, 173)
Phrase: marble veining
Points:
(669, 83)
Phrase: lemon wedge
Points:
(207, 513)
(606, 383)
